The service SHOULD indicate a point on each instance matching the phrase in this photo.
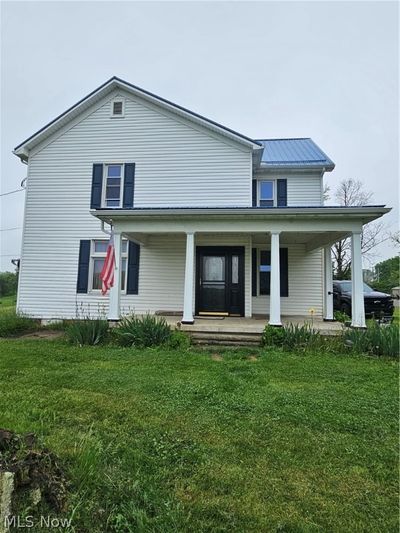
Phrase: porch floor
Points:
(253, 325)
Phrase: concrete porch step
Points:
(225, 338)
(222, 342)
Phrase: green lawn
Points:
(175, 442)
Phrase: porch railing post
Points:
(114, 303)
(275, 287)
(357, 292)
(189, 281)
(328, 284)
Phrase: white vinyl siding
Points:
(305, 284)
(302, 189)
(177, 164)
(161, 281)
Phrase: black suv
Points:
(377, 304)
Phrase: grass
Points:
(161, 441)
(7, 304)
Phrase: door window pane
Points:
(235, 269)
(214, 268)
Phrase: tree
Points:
(351, 192)
(387, 274)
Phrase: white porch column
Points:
(328, 285)
(275, 289)
(189, 281)
(114, 312)
(357, 292)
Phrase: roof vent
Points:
(117, 108)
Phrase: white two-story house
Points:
(206, 221)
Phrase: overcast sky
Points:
(326, 70)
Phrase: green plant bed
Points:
(143, 331)
(87, 331)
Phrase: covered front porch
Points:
(239, 263)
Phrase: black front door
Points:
(220, 280)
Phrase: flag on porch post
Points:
(107, 273)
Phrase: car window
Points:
(345, 286)
(367, 288)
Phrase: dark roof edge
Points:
(148, 93)
(250, 208)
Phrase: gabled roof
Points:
(108, 87)
(289, 153)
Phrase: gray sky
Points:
(326, 70)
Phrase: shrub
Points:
(144, 331)
(339, 316)
(12, 324)
(375, 340)
(179, 340)
(292, 337)
(87, 331)
(301, 337)
(273, 336)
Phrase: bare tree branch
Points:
(350, 192)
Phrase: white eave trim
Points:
(254, 213)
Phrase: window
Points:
(112, 186)
(266, 193)
(117, 108)
(265, 271)
(98, 254)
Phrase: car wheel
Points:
(345, 308)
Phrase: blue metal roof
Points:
(294, 153)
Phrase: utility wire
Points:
(9, 229)
(11, 192)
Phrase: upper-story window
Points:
(117, 108)
(112, 185)
(266, 193)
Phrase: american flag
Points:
(107, 273)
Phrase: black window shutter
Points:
(284, 271)
(83, 267)
(254, 272)
(129, 185)
(97, 185)
(281, 197)
(254, 193)
(132, 286)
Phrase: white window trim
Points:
(104, 186)
(274, 188)
(101, 255)
(113, 101)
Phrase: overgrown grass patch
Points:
(12, 324)
(162, 440)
